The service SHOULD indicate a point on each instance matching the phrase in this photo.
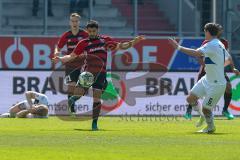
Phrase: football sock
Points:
(96, 110)
(198, 107)
(71, 102)
(189, 109)
(209, 119)
(227, 100)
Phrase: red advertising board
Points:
(36, 53)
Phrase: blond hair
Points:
(75, 15)
(41, 110)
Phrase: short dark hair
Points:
(212, 28)
(220, 30)
(92, 24)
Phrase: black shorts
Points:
(72, 75)
(100, 81)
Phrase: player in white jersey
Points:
(212, 86)
(35, 106)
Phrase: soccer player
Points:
(35, 106)
(211, 86)
(228, 91)
(95, 48)
(71, 38)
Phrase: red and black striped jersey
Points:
(95, 51)
(71, 40)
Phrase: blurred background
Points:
(123, 17)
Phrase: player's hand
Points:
(33, 109)
(236, 71)
(56, 54)
(56, 59)
(139, 38)
(173, 42)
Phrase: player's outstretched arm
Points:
(22, 114)
(229, 61)
(65, 58)
(129, 44)
(57, 51)
(188, 51)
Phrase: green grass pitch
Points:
(135, 139)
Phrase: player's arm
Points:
(188, 51)
(129, 44)
(229, 61)
(22, 114)
(65, 59)
(29, 96)
(57, 51)
(61, 43)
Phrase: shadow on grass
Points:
(217, 133)
(100, 130)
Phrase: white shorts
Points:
(210, 93)
(23, 105)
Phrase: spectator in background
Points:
(139, 2)
(35, 8)
(78, 5)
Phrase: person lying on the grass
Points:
(35, 106)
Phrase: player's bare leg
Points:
(193, 101)
(97, 93)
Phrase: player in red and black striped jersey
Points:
(228, 91)
(94, 49)
(70, 39)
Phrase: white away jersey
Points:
(215, 55)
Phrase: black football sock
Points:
(96, 111)
(227, 100)
(189, 109)
(71, 102)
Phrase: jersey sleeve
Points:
(62, 41)
(204, 49)
(79, 49)
(111, 43)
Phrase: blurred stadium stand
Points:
(126, 18)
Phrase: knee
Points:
(190, 99)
